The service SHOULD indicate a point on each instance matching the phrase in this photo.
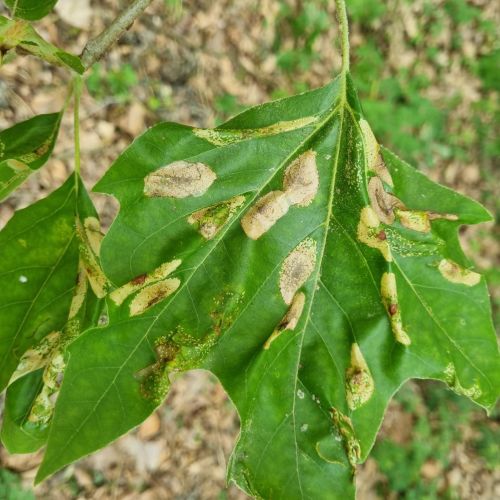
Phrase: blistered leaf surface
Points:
(301, 263)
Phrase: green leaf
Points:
(34, 385)
(24, 148)
(312, 272)
(20, 36)
(31, 10)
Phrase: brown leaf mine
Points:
(383, 203)
(152, 294)
(119, 295)
(179, 180)
(296, 268)
(290, 320)
(373, 159)
(344, 427)
(37, 356)
(370, 232)
(210, 220)
(90, 236)
(264, 214)
(457, 274)
(389, 294)
(359, 381)
(301, 180)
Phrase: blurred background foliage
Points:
(427, 72)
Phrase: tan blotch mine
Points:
(152, 294)
(210, 220)
(179, 179)
(415, 220)
(344, 427)
(223, 137)
(389, 292)
(119, 295)
(90, 236)
(457, 274)
(79, 293)
(300, 185)
(382, 202)
(264, 214)
(290, 320)
(301, 180)
(371, 233)
(297, 268)
(36, 357)
(359, 381)
(373, 158)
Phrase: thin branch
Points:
(95, 48)
(344, 30)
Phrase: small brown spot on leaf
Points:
(290, 320)
(179, 180)
(139, 280)
(264, 214)
(393, 309)
(301, 180)
(456, 274)
(296, 268)
(382, 236)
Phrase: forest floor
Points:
(426, 72)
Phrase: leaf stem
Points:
(344, 32)
(96, 47)
(77, 85)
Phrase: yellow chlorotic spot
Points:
(290, 320)
(359, 381)
(210, 220)
(301, 180)
(224, 137)
(370, 232)
(119, 295)
(450, 375)
(179, 179)
(416, 220)
(152, 294)
(456, 274)
(297, 268)
(388, 290)
(264, 214)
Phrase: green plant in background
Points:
(308, 267)
(11, 488)
(118, 83)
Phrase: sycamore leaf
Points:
(24, 148)
(48, 301)
(310, 270)
(32, 10)
(20, 36)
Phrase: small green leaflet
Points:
(311, 270)
(20, 36)
(24, 148)
(31, 10)
(50, 278)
